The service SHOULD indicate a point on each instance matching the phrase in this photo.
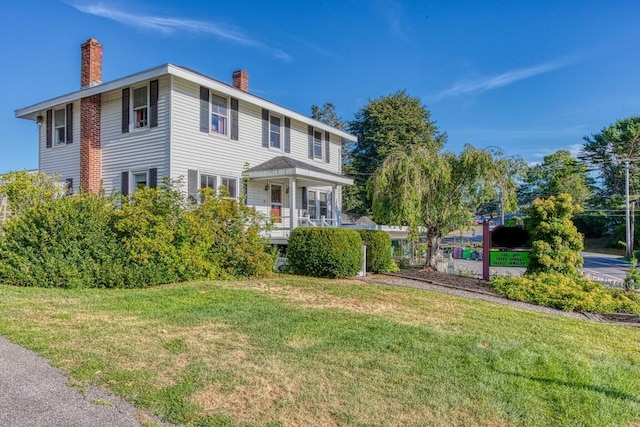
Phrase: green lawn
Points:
(300, 351)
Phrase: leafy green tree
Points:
(435, 192)
(555, 241)
(385, 125)
(559, 173)
(26, 189)
(327, 114)
(603, 153)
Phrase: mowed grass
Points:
(298, 351)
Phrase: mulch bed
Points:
(451, 280)
(482, 287)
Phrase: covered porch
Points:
(293, 193)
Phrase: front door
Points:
(276, 203)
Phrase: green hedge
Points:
(569, 293)
(378, 251)
(151, 238)
(324, 252)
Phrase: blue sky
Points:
(531, 77)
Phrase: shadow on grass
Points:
(551, 381)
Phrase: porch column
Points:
(334, 210)
(293, 218)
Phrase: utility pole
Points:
(629, 248)
(629, 235)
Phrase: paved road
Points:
(34, 394)
(598, 266)
(606, 266)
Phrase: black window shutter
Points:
(304, 197)
(124, 183)
(69, 186)
(69, 123)
(265, 128)
(234, 119)
(153, 177)
(192, 185)
(287, 135)
(49, 128)
(204, 109)
(311, 142)
(153, 103)
(125, 110)
(327, 144)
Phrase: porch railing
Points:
(281, 228)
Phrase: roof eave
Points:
(31, 112)
(300, 173)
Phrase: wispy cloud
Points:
(485, 84)
(168, 26)
(391, 11)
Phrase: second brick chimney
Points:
(91, 64)
(241, 80)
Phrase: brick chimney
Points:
(241, 80)
(90, 117)
(91, 64)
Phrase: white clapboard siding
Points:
(139, 149)
(219, 155)
(62, 160)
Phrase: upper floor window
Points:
(317, 144)
(140, 107)
(274, 132)
(60, 126)
(219, 114)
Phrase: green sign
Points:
(509, 258)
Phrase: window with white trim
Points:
(219, 114)
(208, 181)
(60, 126)
(312, 211)
(323, 205)
(140, 107)
(232, 186)
(275, 133)
(317, 144)
(139, 180)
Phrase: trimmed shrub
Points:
(378, 251)
(569, 293)
(324, 252)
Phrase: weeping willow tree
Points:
(435, 193)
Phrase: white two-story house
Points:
(172, 121)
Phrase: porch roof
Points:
(284, 167)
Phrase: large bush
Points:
(152, 238)
(222, 238)
(555, 241)
(378, 251)
(325, 252)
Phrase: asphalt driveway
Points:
(34, 394)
